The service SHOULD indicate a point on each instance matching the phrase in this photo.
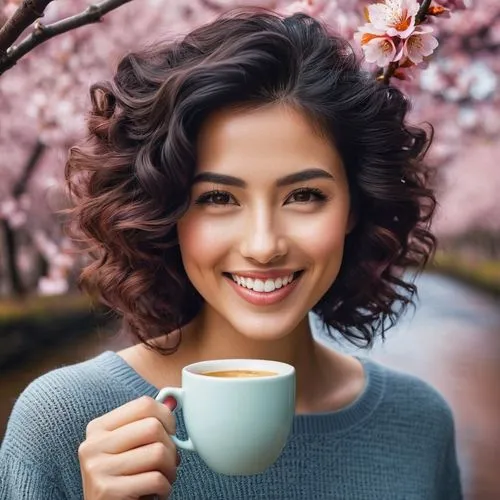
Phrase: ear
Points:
(351, 222)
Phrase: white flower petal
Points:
(380, 51)
(419, 46)
(378, 14)
(411, 6)
(395, 17)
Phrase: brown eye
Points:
(306, 196)
(221, 198)
(301, 196)
(216, 198)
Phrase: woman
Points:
(232, 182)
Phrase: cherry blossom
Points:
(9, 8)
(418, 45)
(299, 6)
(378, 47)
(452, 4)
(394, 17)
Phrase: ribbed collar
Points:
(336, 422)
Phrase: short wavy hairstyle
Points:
(130, 179)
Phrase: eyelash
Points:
(317, 193)
(205, 198)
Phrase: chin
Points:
(265, 328)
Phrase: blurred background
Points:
(452, 340)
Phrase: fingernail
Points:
(170, 402)
(178, 459)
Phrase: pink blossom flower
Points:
(304, 6)
(439, 11)
(53, 285)
(9, 8)
(314, 8)
(418, 45)
(452, 4)
(394, 17)
(377, 47)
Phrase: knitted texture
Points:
(395, 442)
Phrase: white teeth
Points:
(258, 285)
(266, 286)
(269, 286)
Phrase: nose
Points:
(263, 240)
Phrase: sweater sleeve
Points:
(25, 480)
(36, 446)
(451, 483)
(449, 475)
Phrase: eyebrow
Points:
(229, 180)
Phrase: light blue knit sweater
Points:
(395, 442)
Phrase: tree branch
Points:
(92, 14)
(26, 14)
(422, 12)
(10, 235)
(21, 184)
(386, 75)
(211, 5)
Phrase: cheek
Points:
(201, 242)
(322, 237)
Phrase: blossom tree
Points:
(443, 56)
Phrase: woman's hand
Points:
(128, 452)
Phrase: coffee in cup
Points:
(239, 373)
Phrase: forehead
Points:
(269, 141)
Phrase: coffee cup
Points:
(238, 413)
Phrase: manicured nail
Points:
(170, 402)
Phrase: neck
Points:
(209, 336)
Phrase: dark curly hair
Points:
(131, 178)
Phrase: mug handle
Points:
(178, 394)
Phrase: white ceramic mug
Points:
(238, 426)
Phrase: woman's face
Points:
(263, 238)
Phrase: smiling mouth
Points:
(264, 286)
